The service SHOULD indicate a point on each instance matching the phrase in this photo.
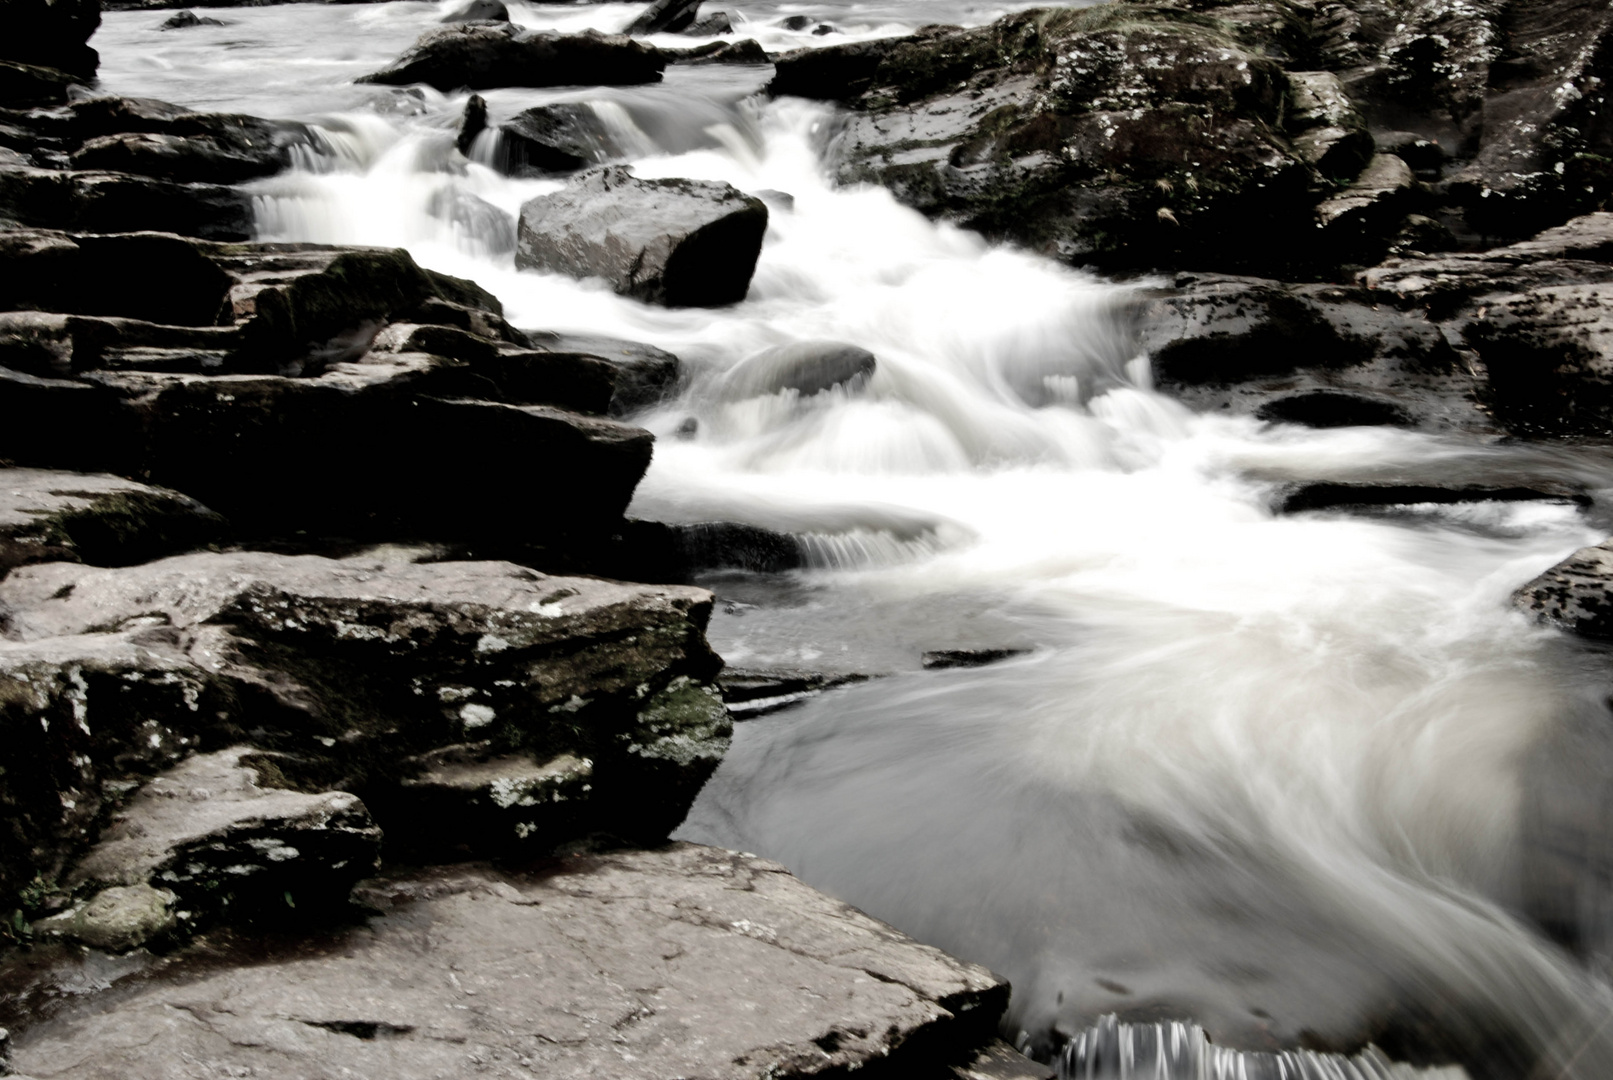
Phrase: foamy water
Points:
(1301, 780)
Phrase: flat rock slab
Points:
(680, 962)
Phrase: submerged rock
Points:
(694, 961)
(806, 367)
(682, 243)
(482, 56)
(479, 11)
(186, 19)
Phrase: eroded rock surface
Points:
(46, 516)
(392, 681)
(1576, 594)
(684, 961)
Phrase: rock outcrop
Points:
(681, 961)
(682, 243)
(254, 377)
(805, 367)
(485, 55)
(549, 710)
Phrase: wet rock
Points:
(806, 367)
(485, 55)
(47, 516)
(357, 671)
(1246, 344)
(554, 138)
(999, 1061)
(753, 692)
(693, 960)
(207, 835)
(51, 34)
(747, 51)
(655, 551)
(1574, 594)
(713, 25)
(471, 124)
(795, 22)
(506, 803)
(1117, 135)
(954, 658)
(115, 202)
(1328, 496)
(1331, 409)
(682, 243)
(645, 375)
(476, 218)
(186, 19)
(199, 148)
(479, 11)
(665, 17)
(24, 86)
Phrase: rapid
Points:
(1304, 781)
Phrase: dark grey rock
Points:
(1575, 593)
(1329, 496)
(682, 243)
(479, 11)
(209, 837)
(712, 25)
(688, 960)
(186, 19)
(1328, 131)
(108, 202)
(49, 516)
(1070, 133)
(955, 658)
(665, 17)
(486, 55)
(51, 34)
(746, 51)
(806, 367)
(472, 124)
(645, 375)
(361, 675)
(753, 692)
(554, 138)
(1330, 409)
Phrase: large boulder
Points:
(563, 137)
(474, 707)
(486, 55)
(684, 961)
(1118, 134)
(98, 201)
(51, 33)
(198, 148)
(682, 243)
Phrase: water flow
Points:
(1303, 780)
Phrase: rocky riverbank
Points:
(347, 715)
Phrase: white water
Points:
(1297, 779)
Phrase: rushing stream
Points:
(1305, 781)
